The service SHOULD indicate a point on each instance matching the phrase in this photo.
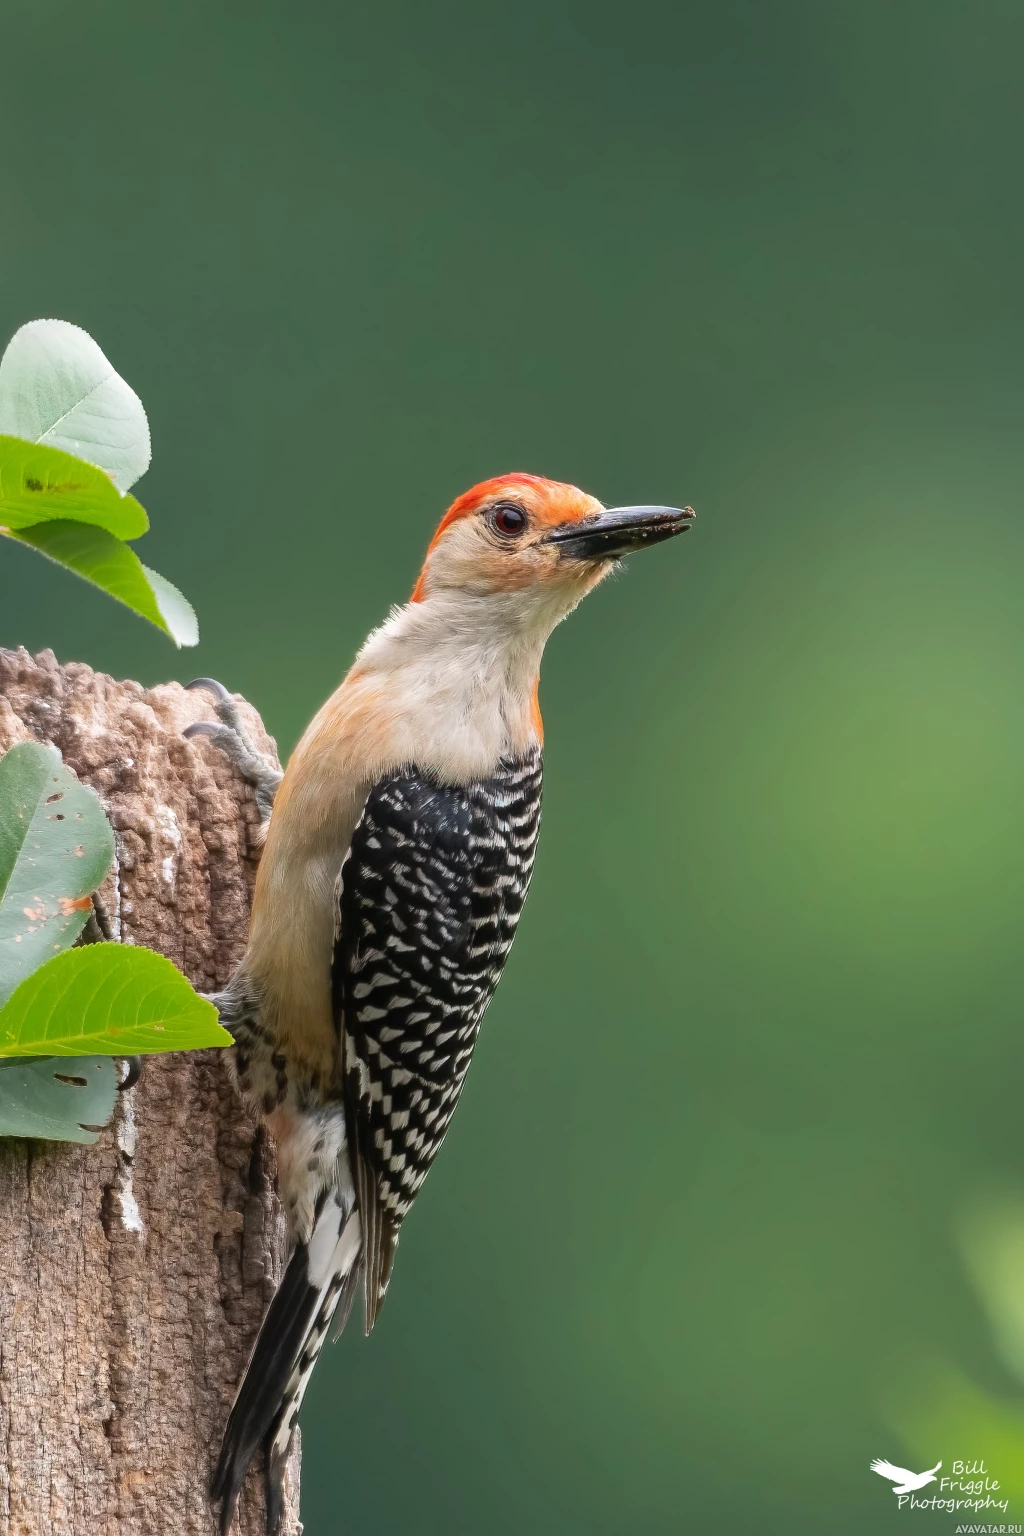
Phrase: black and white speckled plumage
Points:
(429, 899)
(431, 894)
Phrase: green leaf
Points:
(177, 612)
(39, 484)
(114, 999)
(55, 848)
(57, 1098)
(117, 570)
(72, 432)
(57, 387)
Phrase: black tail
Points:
(263, 1386)
(282, 1361)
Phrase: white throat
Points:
(459, 674)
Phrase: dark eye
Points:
(508, 519)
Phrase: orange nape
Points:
(550, 502)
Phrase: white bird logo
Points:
(908, 1482)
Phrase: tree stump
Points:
(134, 1273)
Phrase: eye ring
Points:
(507, 518)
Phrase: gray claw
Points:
(225, 707)
(229, 733)
(206, 728)
(133, 1071)
(211, 685)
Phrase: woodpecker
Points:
(397, 856)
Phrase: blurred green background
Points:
(733, 1202)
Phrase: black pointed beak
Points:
(619, 531)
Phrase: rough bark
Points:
(134, 1273)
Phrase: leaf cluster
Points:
(56, 846)
(73, 438)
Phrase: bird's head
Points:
(531, 548)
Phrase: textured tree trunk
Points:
(134, 1273)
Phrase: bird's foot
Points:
(235, 742)
(132, 1073)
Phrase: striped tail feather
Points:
(321, 1281)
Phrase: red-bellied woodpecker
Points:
(395, 867)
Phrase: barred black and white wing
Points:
(431, 894)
